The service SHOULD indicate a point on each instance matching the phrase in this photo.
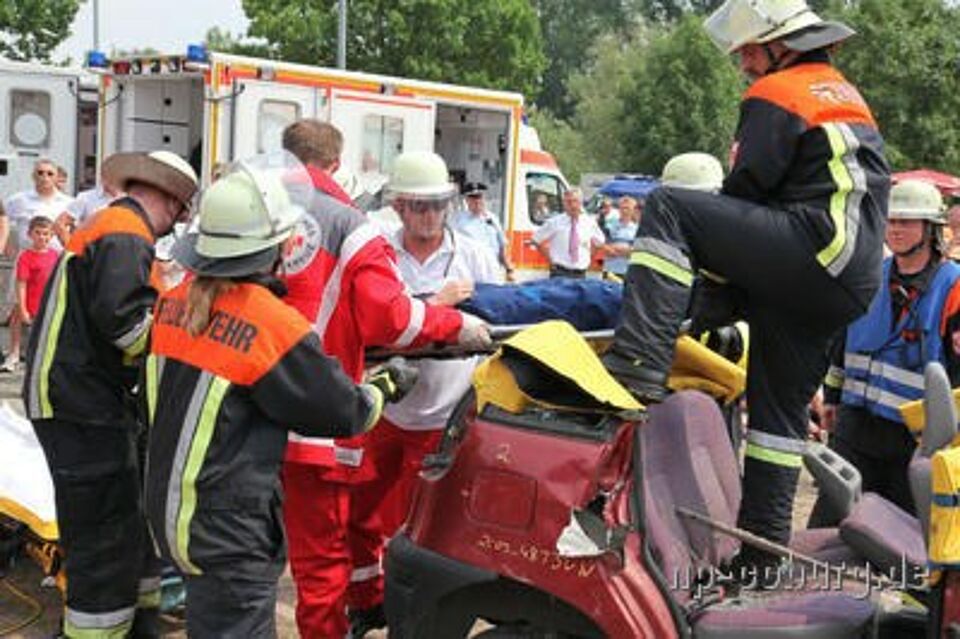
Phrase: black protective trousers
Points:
(113, 574)
(793, 306)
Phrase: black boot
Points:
(648, 386)
(365, 620)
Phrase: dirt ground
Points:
(26, 576)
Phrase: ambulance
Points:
(47, 112)
(212, 108)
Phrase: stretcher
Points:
(694, 367)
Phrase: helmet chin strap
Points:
(916, 248)
(777, 62)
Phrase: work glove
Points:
(394, 379)
(474, 334)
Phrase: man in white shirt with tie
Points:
(567, 240)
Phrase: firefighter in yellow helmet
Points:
(797, 227)
(879, 363)
(231, 369)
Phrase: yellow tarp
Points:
(557, 346)
(914, 417)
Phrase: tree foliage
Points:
(32, 29)
(906, 62)
(671, 10)
(489, 43)
(570, 28)
(218, 39)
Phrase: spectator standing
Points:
(33, 268)
(621, 232)
(62, 178)
(478, 223)
(607, 216)
(953, 228)
(43, 199)
(567, 240)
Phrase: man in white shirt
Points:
(440, 266)
(478, 223)
(567, 240)
(82, 207)
(44, 199)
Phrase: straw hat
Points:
(162, 170)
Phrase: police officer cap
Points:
(474, 188)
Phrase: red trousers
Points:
(378, 507)
(315, 513)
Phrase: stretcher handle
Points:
(498, 333)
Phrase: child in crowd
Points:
(34, 267)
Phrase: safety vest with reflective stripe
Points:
(219, 405)
(883, 366)
(93, 320)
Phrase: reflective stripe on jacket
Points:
(883, 360)
(807, 143)
(343, 278)
(219, 406)
(93, 319)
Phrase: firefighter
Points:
(342, 276)
(231, 369)
(93, 322)
(879, 365)
(797, 228)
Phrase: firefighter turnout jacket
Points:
(807, 143)
(95, 317)
(219, 405)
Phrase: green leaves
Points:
(905, 62)
(488, 43)
(32, 29)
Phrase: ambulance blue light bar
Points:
(197, 53)
(97, 60)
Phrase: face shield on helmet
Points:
(420, 182)
(253, 208)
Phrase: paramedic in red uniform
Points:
(797, 232)
(441, 265)
(94, 321)
(231, 369)
(342, 276)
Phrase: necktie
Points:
(574, 248)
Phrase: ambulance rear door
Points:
(262, 109)
(376, 129)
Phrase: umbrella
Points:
(949, 185)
